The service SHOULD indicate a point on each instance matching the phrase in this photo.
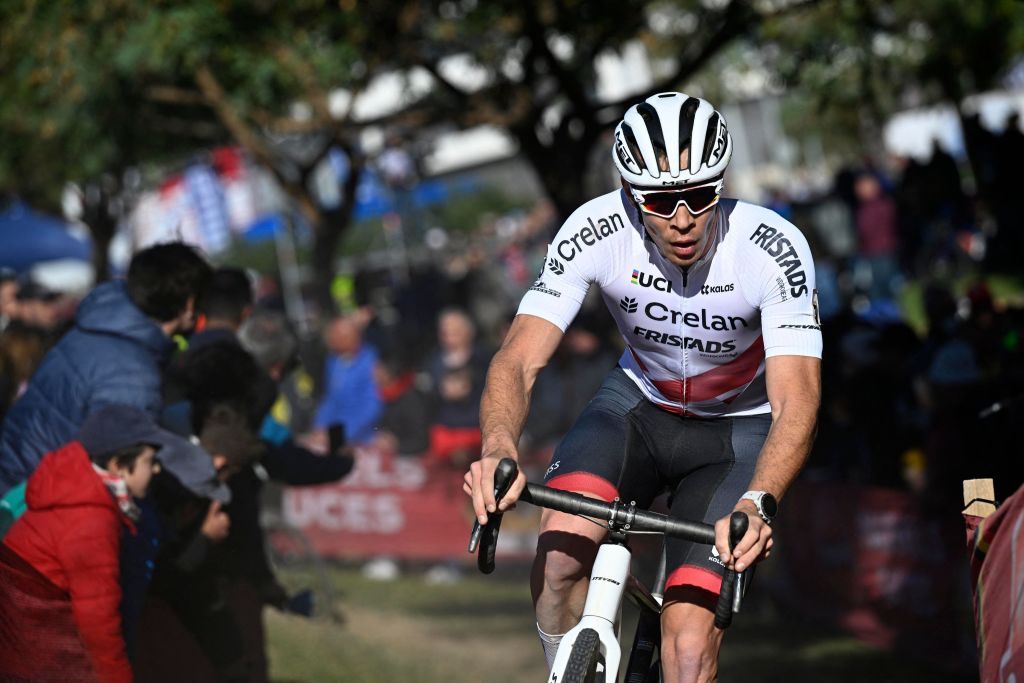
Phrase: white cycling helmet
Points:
(661, 127)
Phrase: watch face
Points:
(769, 505)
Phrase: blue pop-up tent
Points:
(28, 237)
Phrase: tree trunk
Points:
(328, 229)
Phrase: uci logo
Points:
(645, 280)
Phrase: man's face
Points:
(8, 291)
(343, 337)
(454, 332)
(683, 238)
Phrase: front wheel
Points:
(582, 665)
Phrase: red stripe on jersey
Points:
(719, 380)
(585, 482)
(636, 357)
(689, 575)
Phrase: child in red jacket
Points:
(59, 563)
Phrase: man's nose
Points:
(682, 218)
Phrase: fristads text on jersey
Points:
(775, 243)
(589, 235)
(701, 345)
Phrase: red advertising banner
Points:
(872, 562)
(399, 507)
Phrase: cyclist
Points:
(717, 389)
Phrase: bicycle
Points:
(591, 650)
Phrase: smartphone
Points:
(335, 437)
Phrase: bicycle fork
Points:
(601, 610)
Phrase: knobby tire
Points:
(582, 665)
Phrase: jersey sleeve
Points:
(559, 289)
(787, 296)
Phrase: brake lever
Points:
(504, 475)
(732, 582)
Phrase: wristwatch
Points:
(767, 506)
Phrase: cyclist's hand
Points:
(755, 545)
(479, 484)
(217, 524)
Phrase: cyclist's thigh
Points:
(590, 459)
(722, 454)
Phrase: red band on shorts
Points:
(585, 482)
(690, 575)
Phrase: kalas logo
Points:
(716, 289)
(645, 280)
(555, 267)
(628, 305)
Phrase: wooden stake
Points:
(977, 493)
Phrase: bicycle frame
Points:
(610, 575)
(608, 581)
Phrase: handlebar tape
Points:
(504, 475)
(724, 608)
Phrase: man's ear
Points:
(219, 462)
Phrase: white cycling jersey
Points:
(696, 338)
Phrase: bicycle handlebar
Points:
(619, 515)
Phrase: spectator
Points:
(112, 354)
(38, 306)
(404, 427)
(60, 587)
(21, 350)
(351, 394)
(8, 296)
(219, 606)
(458, 370)
(877, 234)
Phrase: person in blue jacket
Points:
(351, 395)
(113, 354)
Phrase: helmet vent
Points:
(650, 117)
(634, 148)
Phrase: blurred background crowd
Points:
(372, 210)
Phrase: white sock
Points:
(550, 645)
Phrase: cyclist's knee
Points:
(563, 558)
(690, 641)
(690, 657)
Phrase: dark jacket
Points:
(113, 354)
(71, 534)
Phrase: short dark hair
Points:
(228, 295)
(125, 457)
(162, 278)
(269, 338)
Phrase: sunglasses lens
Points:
(661, 203)
(700, 198)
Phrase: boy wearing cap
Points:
(59, 563)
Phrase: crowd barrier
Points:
(401, 507)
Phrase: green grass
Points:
(482, 628)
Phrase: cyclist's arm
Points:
(505, 403)
(794, 390)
